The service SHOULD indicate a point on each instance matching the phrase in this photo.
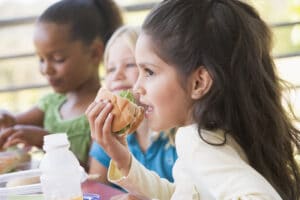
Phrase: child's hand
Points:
(6, 119)
(100, 120)
(26, 134)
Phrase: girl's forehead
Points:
(53, 31)
(50, 38)
(144, 43)
(144, 37)
(147, 49)
(119, 41)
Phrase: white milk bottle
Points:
(61, 175)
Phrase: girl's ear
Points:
(201, 82)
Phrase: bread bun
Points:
(23, 181)
(127, 115)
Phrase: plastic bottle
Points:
(61, 171)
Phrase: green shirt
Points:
(77, 129)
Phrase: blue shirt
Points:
(159, 157)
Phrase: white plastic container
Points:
(61, 171)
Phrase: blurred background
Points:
(21, 84)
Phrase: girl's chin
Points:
(59, 90)
(154, 126)
(147, 115)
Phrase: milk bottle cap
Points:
(55, 140)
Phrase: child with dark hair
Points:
(206, 67)
(70, 37)
(155, 150)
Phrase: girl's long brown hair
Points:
(229, 38)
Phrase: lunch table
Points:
(105, 192)
(89, 186)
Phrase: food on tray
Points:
(23, 181)
(127, 114)
(12, 158)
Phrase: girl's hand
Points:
(26, 134)
(100, 120)
(6, 119)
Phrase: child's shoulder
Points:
(53, 97)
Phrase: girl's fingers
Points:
(93, 110)
(14, 138)
(18, 134)
(92, 113)
(107, 127)
(99, 121)
(90, 107)
(5, 134)
(13, 142)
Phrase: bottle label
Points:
(88, 196)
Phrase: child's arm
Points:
(140, 181)
(6, 119)
(26, 134)
(100, 121)
(25, 128)
(33, 116)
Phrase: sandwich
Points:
(127, 114)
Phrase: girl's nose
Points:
(138, 89)
(119, 73)
(46, 68)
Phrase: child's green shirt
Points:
(77, 129)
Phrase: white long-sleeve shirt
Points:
(201, 172)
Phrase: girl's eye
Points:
(110, 70)
(59, 60)
(149, 72)
(41, 60)
(131, 65)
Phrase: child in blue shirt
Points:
(155, 150)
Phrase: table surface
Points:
(89, 186)
(105, 191)
(92, 187)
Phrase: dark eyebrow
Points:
(59, 51)
(143, 65)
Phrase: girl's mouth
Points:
(53, 82)
(119, 89)
(148, 110)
